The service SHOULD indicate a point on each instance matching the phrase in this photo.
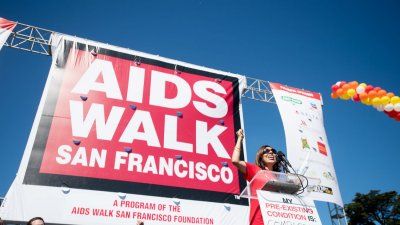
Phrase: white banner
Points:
(61, 205)
(277, 208)
(6, 28)
(306, 141)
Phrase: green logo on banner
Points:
(290, 99)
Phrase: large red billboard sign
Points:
(119, 122)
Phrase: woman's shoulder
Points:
(252, 166)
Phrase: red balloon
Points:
(334, 88)
(356, 98)
(393, 114)
(368, 88)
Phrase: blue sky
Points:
(305, 44)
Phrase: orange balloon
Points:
(390, 94)
(354, 84)
(345, 87)
(381, 93)
(334, 95)
(339, 92)
(363, 96)
(372, 94)
(377, 89)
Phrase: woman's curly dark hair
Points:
(259, 162)
(33, 219)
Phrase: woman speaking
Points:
(266, 159)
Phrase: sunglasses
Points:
(267, 151)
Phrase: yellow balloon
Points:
(385, 100)
(376, 101)
(363, 84)
(395, 100)
(351, 92)
(345, 96)
(366, 101)
(382, 101)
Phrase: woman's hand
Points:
(240, 134)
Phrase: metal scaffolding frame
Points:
(258, 90)
(38, 40)
(337, 213)
(30, 38)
